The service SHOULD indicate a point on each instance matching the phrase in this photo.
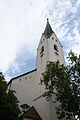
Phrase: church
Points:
(27, 86)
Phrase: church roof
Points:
(32, 114)
(48, 30)
(21, 75)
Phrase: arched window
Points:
(56, 48)
(42, 49)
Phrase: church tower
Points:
(49, 49)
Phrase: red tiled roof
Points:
(32, 114)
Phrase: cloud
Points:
(22, 23)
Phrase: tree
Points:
(64, 82)
(9, 109)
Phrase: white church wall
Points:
(52, 53)
(27, 90)
(49, 54)
(43, 108)
(27, 87)
(42, 58)
(24, 87)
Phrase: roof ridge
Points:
(21, 75)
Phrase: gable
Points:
(32, 114)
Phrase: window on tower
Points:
(52, 38)
(42, 50)
(56, 48)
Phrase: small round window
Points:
(56, 48)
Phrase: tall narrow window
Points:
(42, 49)
(56, 48)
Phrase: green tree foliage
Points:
(64, 82)
(9, 109)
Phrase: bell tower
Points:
(49, 49)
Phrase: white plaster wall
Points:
(52, 56)
(27, 87)
(49, 53)
(41, 61)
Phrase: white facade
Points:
(27, 87)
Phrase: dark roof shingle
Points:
(48, 30)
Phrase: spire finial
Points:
(48, 30)
(47, 19)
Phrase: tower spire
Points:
(48, 30)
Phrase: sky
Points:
(22, 23)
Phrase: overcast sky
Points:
(21, 25)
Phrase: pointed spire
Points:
(48, 30)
